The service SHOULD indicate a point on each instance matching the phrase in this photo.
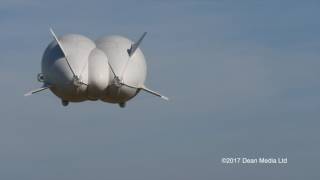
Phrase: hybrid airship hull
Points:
(111, 69)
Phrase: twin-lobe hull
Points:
(96, 66)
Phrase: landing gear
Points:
(122, 105)
(65, 103)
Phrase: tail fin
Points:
(135, 46)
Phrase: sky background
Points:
(242, 76)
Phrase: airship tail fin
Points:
(144, 88)
(63, 51)
(36, 91)
(135, 46)
(154, 93)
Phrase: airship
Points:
(111, 69)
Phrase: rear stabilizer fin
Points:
(135, 46)
(154, 93)
(63, 50)
(144, 88)
(36, 91)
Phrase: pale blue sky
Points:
(243, 78)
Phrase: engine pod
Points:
(98, 74)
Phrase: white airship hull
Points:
(112, 69)
(89, 61)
